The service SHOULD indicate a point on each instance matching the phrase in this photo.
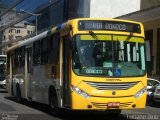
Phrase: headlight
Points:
(80, 92)
(140, 93)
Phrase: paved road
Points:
(12, 110)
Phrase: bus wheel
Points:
(18, 92)
(55, 110)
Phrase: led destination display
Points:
(109, 25)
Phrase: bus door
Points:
(65, 72)
(29, 72)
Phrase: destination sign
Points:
(109, 25)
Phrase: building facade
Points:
(7, 34)
(113, 8)
(16, 32)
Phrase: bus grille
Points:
(111, 85)
(104, 105)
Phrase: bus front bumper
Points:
(103, 103)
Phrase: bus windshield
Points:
(100, 55)
(2, 68)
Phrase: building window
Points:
(36, 53)
(10, 44)
(28, 31)
(10, 37)
(18, 31)
(18, 37)
(10, 30)
(4, 37)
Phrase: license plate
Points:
(113, 105)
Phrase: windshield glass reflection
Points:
(108, 57)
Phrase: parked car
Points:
(3, 85)
(151, 86)
(156, 95)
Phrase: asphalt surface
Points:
(10, 109)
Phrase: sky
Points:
(26, 5)
(30, 5)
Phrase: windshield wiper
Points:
(127, 39)
(93, 35)
(129, 36)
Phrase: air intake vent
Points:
(111, 85)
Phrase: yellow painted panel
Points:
(80, 103)
(105, 96)
(115, 38)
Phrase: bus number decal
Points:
(98, 91)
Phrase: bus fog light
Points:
(89, 106)
(80, 92)
(140, 93)
(134, 105)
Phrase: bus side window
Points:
(53, 54)
(15, 59)
(36, 53)
(8, 63)
(44, 50)
(22, 56)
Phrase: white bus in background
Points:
(3, 60)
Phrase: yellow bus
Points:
(82, 64)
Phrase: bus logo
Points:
(98, 91)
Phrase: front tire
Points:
(18, 93)
(54, 108)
